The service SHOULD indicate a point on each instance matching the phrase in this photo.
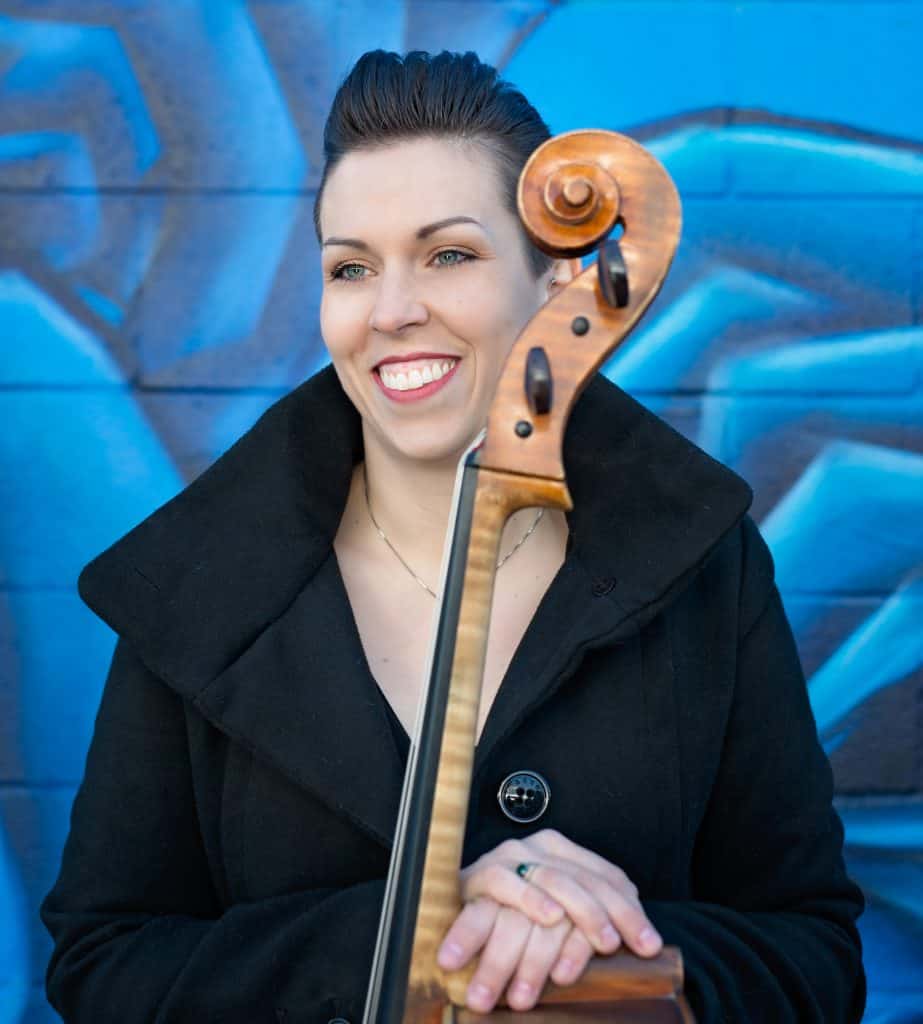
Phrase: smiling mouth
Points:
(415, 374)
(415, 378)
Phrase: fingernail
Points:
(649, 938)
(479, 995)
(450, 954)
(565, 969)
(609, 935)
(551, 907)
(521, 991)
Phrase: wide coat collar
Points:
(231, 595)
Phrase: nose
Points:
(397, 304)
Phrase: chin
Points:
(431, 445)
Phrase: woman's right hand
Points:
(573, 904)
(518, 955)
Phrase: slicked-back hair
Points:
(387, 98)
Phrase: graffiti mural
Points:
(159, 288)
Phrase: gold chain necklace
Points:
(397, 554)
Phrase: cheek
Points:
(494, 307)
(505, 317)
(341, 325)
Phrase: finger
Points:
(623, 910)
(498, 961)
(583, 907)
(626, 914)
(468, 933)
(541, 953)
(575, 954)
(502, 884)
(555, 845)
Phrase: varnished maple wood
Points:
(629, 187)
(607, 979)
(628, 1011)
(498, 495)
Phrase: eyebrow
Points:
(424, 232)
(430, 229)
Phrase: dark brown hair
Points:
(387, 98)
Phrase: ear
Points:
(560, 273)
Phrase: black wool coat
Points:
(230, 839)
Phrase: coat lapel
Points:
(302, 697)
(231, 593)
(649, 508)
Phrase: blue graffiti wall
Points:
(159, 288)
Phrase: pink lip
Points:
(417, 393)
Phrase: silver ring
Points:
(525, 870)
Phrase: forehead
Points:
(411, 183)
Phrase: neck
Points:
(411, 500)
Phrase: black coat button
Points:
(524, 796)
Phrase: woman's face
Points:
(426, 286)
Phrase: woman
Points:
(230, 840)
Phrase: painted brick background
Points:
(159, 288)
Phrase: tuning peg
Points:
(613, 276)
(538, 381)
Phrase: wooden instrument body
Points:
(573, 192)
(621, 987)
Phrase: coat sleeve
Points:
(770, 933)
(139, 933)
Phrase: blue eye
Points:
(349, 272)
(452, 257)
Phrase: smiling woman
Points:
(459, 287)
(230, 840)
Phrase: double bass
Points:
(576, 193)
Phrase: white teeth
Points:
(416, 378)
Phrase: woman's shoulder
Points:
(650, 506)
(234, 546)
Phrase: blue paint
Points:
(777, 161)
(855, 363)
(851, 63)
(897, 828)
(14, 967)
(767, 159)
(663, 350)
(43, 345)
(52, 63)
(67, 154)
(56, 510)
(615, 65)
(852, 523)
(892, 940)
(885, 649)
(63, 653)
(101, 305)
(219, 300)
(794, 310)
